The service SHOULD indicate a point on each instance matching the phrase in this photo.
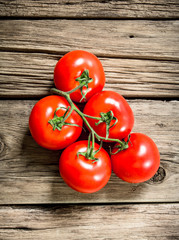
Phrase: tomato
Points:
(81, 174)
(42, 131)
(71, 66)
(104, 102)
(139, 162)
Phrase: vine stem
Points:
(97, 118)
(74, 89)
(70, 112)
(82, 115)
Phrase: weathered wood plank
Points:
(90, 9)
(31, 75)
(29, 174)
(114, 38)
(135, 222)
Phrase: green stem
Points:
(73, 107)
(70, 112)
(97, 118)
(92, 147)
(93, 131)
(74, 89)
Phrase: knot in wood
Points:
(1, 146)
(159, 176)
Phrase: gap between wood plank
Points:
(42, 51)
(30, 205)
(86, 18)
(166, 99)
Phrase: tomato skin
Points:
(105, 101)
(43, 132)
(139, 162)
(71, 66)
(82, 174)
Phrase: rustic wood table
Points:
(137, 43)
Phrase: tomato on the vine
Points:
(79, 66)
(103, 103)
(139, 162)
(47, 126)
(82, 174)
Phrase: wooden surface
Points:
(112, 38)
(157, 221)
(23, 161)
(20, 72)
(90, 9)
(137, 43)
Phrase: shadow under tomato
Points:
(38, 161)
(43, 164)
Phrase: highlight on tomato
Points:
(53, 125)
(80, 73)
(84, 170)
(110, 115)
(139, 162)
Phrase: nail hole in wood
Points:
(131, 36)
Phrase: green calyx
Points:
(121, 146)
(58, 122)
(84, 80)
(90, 153)
(107, 118)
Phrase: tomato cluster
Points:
(56, 123)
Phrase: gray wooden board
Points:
(135, 222)
(90, 9)
(109, 38)
(140, 60)
(31, 75)
(29, 173)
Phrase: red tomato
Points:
(139, 162)
(43, 132)
(81, 174)
(104, 102)
(71, 66)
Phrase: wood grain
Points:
(135, 222)
(140, 58)
(90, 9)
(31, 75)
(29, 173)
(109, 38)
